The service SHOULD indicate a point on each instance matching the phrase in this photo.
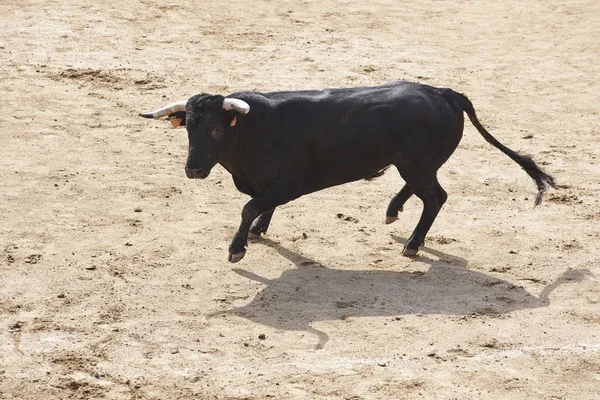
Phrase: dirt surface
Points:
(113, 265)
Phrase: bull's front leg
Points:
(261, 224)
(255, 207)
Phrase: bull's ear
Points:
(232, 117)
(177, 119)
(236, 104)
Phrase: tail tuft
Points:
(542, 179)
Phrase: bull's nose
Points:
(195, 173)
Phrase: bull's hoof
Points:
(389, 220)
(409, 252)
(233, 258)
(253, 236)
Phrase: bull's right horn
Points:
(166, 110)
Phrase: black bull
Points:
(298, 142)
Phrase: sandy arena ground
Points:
(113, 265)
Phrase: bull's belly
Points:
(337, 173)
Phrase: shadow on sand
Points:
(312, 292)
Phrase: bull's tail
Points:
(542, 179)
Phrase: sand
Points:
(114, 275)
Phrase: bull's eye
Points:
(217, 133)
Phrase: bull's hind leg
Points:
(428, 189)
(397, 203)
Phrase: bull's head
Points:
(208, 120)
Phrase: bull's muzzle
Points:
(195, 173)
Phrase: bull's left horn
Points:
(236, 104)
(166, 110)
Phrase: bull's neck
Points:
(239, 151)
(246, 139)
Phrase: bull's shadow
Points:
(312, 292)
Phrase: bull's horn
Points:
(166, 110)
(236, 104)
